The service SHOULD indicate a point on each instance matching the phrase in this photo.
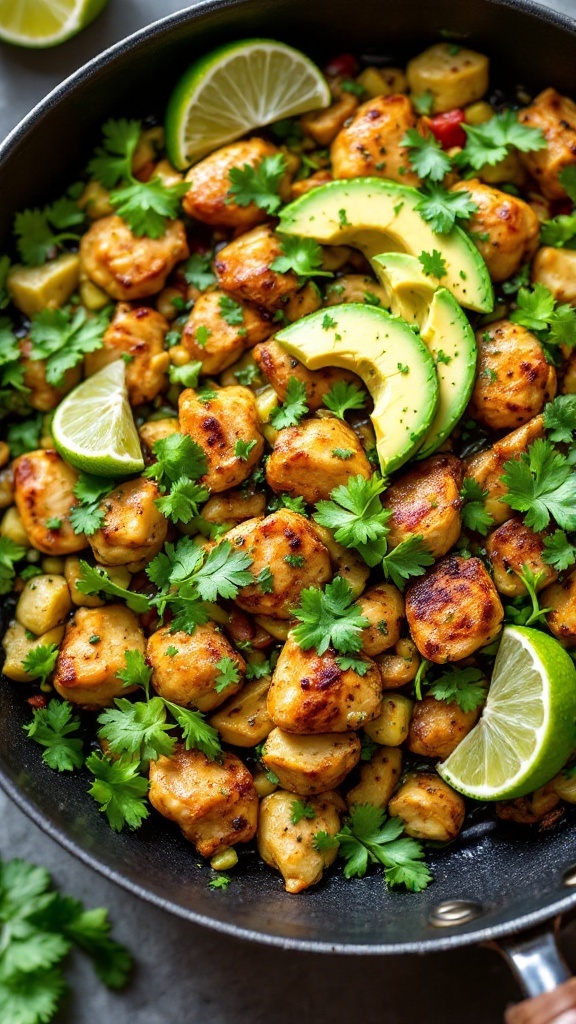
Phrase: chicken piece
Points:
(383, 606)
(556, 270)
(400, 667)
(324, 125)
(128, 267)
(217, 424)
(370, 143)
(426, 501)
(561, 620)
(133, 529)
(209, 198)
(437, 727)
(213, 802)
(453, 610)
(568, 380)
(210, 338)
(311, 694)
(311, 764)
(243, 720)
(378, 779)
(315, 180)
(290, 848)
(512, 227)
(390, 728)
(187, 669)
(555, 115)
(303, 460)
(535, 808)
(234, 507)
(513, 547)
(244, 270)
(487, 467)
(157, 430)
(270, 542)
(278, 367)
(513, 379)
(356, 288)
(454, 75)
(429, 808)
(87, 669)
(43, 492)
(137, 332)
(44, 396)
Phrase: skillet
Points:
(497, 882)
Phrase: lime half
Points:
(236, 88)
(526, 732)
(45, 22)
(93, 428)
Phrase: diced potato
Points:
(533, 808)
(556, 270)
(119, 574)
(44, 603)
(243, 720)
(564, 785)
(166, 173)
(400, 667)
(47, 287)
(96, 201)
(453, 74)
(92, 296)
(382, 81)
(478, 113)
(12, 527)
(392, 726)
(311, 764)
(378, 778)
(149, 145)
(324, 125)
(17, 645)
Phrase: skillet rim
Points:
(445, 942)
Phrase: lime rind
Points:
(235, 89)
(526, 732)
(43, 23)
(93, 427)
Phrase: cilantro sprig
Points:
(356, 515)
(10, 553)
(293, 408)
(560, 419)
(465, 687)
(542, 485)
(53, 728)
(441, 207)
(301, 255)
(426, 156)
(258, 184)
(474, 514)
(553, 323)
(62, 337)
(409, 558)
(41, 233)
(94, 580)
(525, 609)
(329, 617)
(40, 661)
(88, 516)
(490, 142)
(342, 396)
(370, 837)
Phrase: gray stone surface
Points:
(189, 975)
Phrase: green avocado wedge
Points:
(445, 330)
(388, 355)
(376, 216)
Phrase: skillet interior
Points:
(514, 876)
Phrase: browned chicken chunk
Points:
(371, 143)
(305, 459)
(511, 225)
(244, 270)
(278, 367)
(128, 267)
(133, 529)
(512, 548)
(426, 501)
(137, 332)
(290, 848)
(437, 727)
(218, 424)
(43, 492)
(429, 808)
(514, 380)
(311, 764)
(187, 669)
(87, 669)
(210, 199)
(555, 115)
(210, 338)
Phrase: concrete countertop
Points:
(186, 974)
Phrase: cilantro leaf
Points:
(88, 516)
(223, 573)
(559, 232)
(24, 436)
(300, 809)
(10, 552)
(36, 239)
(113, 160)
(148, 206)
(560, 418)
(329, 618)
(119, 789)
(426, 155)
(137, 728)
(462, 686)
(51, 728)
(301, 255)
(231, 311)
(198, 271)
(40, 661)
(535, 307)
(370, 837)
(474, 513)
(541, 484)
(409, 558)
(186, 375)
(90, 930)
(221, 881)
(433, 263)
(559, 552)
(525, 610)
(423, 102)
(441, 208)
(228, 674)
(62, 337)
(293, 408)
(342, 396)
(258, 184)
(567, 178)
(197, 733)
(177, 456)
(355, 664)
(242, 449)
(97, 581)
(183, 501)
(356, 515)
(137, 672)
(490, 142)
(175, 564)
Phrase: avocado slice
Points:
(444, 328)
(376, 216)
(388, 355)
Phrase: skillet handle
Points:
(544, 976)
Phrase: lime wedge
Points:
(45, 22)
(526, 732)
(236, 88)
(93, 427)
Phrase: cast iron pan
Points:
(508, 879)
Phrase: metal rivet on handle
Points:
(569, 877)
(455, 912)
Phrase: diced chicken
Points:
(125, 266)
(210, 199)
(426, 501)
(555, 115)
(133, 529)
(244, 270)
(437, 727)
(218, 425)
(505, 229)
(187, 667)
(429, 808)
(92, 655)
(138, 333)
(306, 460)
(43, 492)
(311, 764)
(290, 848)
(512, 548)
(514, 380)
(216, 342)
(371, 143)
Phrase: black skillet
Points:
(495, 883)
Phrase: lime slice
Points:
(45, 22)
(526, 732)
(236, 88)
(93, 428)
